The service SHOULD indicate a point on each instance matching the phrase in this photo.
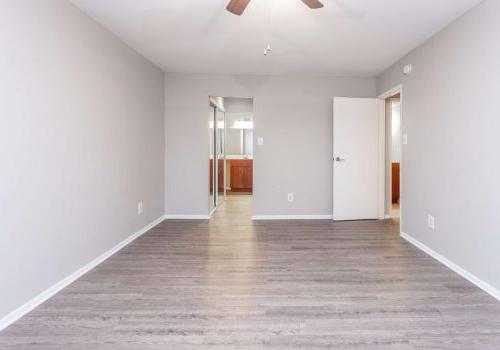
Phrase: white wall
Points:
(293, 114)
(395, 131)
(451, 164)
(238, 105)
(81, 143)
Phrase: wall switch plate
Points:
(431, 222)
(407, 69)
(260, 140)
(405, 139)
(290, 197)
(140, 208)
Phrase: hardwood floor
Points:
(233, 284)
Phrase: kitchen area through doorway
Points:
(231, 121)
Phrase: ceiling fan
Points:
(238, 6)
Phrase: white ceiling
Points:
(346, 37)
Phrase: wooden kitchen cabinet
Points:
(242, 175)
(395, 182)
(220, 175)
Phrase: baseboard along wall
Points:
(454, 267)
(48, 293)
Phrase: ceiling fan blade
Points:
(314, 4)
(237, 6)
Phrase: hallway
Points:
(236, 209)
(230, 283)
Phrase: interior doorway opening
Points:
(393, 155)
(231, 151)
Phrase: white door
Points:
(357, 141)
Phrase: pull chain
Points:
(268, 48)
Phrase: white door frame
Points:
(381, 159)
(383, 97)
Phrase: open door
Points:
(358, 138)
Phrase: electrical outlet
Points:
(140, 208)
(290, 197)
(260, 141)
(431, 222)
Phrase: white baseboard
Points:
(451, 265)
(45, 295)
(292, 217)
(187, 217)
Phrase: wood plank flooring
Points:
(233, 284)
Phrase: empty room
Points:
(249, 174)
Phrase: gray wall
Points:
(81, 143)
(451, 163)
(293, 114)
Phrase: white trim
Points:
(186, 217)
(451, 265)
(15, 315)
(212, 100)
(388, 216)
(391, 92)
(292, 217)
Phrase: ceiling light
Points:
(243, 124)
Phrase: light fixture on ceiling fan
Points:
(238, 6)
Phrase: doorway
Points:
(395, 139)
(367, 150)
(393, 154)
(231, 122)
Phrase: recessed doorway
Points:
(231, 121)
(393, 153)
(394, 106)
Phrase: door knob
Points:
(338, 159)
